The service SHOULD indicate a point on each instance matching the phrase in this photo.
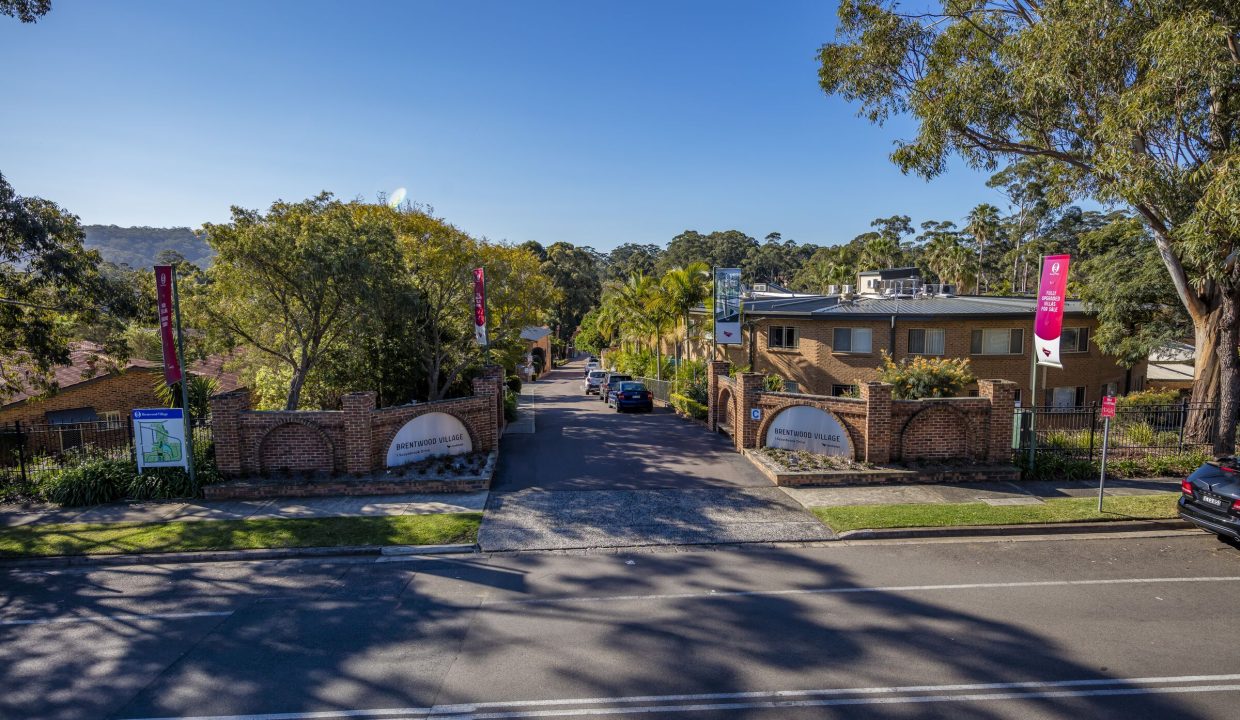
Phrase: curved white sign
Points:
(802, 427)
(427, 435)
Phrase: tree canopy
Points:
(1129, 103)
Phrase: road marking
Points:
(854, 590)
(121, 617)
(1035, 689)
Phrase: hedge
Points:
(688, 406)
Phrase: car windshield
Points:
(618, 378)
(597, 374)
(631, 387)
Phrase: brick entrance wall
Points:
(352, 440)
(880, 429)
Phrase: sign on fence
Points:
(159, 438)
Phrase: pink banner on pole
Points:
(1048, 323)
(480, 306)
(163, 303)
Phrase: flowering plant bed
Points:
(802, 461)
(442, 466)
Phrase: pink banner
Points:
(163, 302)
(480, 306)
(1052, 294)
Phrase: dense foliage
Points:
(926, 377)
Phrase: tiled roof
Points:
(534, 334)
(87, 361)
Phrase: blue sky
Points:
(596, 123)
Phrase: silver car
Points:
(593, 381)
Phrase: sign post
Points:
(168, 303)
(727, 329)
(1108, 412)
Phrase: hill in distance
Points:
(137, 247)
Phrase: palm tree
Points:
(881, 252)
(984, 227)
(684, 288)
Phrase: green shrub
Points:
(688, 406)
(926, 377)
(1146, 398)
(160, 484)
(510, 405)
(774, 383)
(1052, 466)
(514, 383)
(92, 482)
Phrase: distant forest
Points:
(139, 247)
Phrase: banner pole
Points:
(187, 416)
(1033, 378)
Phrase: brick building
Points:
(831, 344)
(94, 392)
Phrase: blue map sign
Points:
(159, 437)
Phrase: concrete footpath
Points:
(278, 508)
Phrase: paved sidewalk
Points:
(286, 508)
(1024, 493)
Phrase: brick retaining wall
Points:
(881, 429)
(352, 440)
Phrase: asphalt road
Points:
(1081, 628)
(591, 477)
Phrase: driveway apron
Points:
(590, 477)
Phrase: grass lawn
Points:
(112, 538)
(1057, 510)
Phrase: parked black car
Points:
(1210, 498)
(609, 383)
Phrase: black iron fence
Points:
(30, 452)
(661, 389)
(1136, 431)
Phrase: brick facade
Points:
(880, 429)
(352, 440)
(117, 392)
(817, 368)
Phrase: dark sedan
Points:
(632, 396)
(1210, 498)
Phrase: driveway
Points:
(591, 477)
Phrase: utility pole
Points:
(189, 418)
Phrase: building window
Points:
(1074, 340)
(790, 386)
(998, 342)
(852, 340)
(850, 391)
(781, 337)
(1110, 389)
(926, 342)
(1065, 397)
(1016, 397)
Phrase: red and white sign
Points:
(1048, 323)
(163, 303)
(1108, 406)
(480, 306)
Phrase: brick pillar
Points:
(749, 386)
(226, 409)
(491, 383)
(714, 369)
(358, 432)
(1002, 397)
(877, 397)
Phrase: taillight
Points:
(647, 396)
(1186, 487)
(1235, 506)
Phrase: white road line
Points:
(854, 590)
(777, 698)
(117, 618)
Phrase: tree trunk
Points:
(294, 387)
(1229, 373)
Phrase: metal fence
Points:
(661, 389)
(30, 452)
(1076, 432)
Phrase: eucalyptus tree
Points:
(1127, 103)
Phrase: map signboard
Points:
(159, 437)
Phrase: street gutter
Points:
(965, 531)
(208, 556)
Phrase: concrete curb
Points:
(1109, 526)
(209, 556)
